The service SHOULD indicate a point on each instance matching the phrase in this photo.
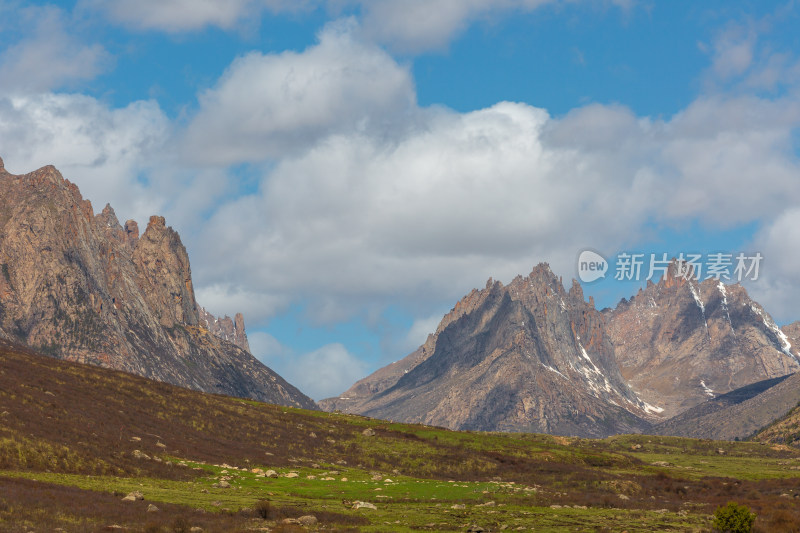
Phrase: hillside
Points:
(80, 286)
(784, 430)
(737, 414)
(76, 439)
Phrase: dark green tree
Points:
(734, 518)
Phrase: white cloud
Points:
(419, 331)
(266, 347)
(319, 374)
(733, 52)
(176, 16)
(419, 25)
(268, 105)
(104, 150)
(406, 25)
(730, 160)
(50, 55)
(231, 297)
(457, 198)
(744, 60)
(367, 198)
(778, 287)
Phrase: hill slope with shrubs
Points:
(87, 449)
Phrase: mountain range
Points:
(532, 357)
(681, 357)
(528, 356)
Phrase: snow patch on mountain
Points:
(770, 324)
(724, 293)
(699, 303)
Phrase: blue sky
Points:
(343, 171)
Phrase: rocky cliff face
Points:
(680, 342)
(524, 357)
(83, 287)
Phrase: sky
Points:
(342, 172)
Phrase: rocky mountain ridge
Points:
(669, 349)
(82, 287)
(387, 376)
(529, 356)
(679, 342)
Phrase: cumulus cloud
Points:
(176, 16)
(268, 105)
(105, 150)
(459, 197)
(732, 159)
(777, 287)
(733, 53)
(419, 25)
(744, 60)
(49, 56)
(359, 217)
(266, 347)
(319, 374)
(419, 331)
(406, 25)
(366, 198)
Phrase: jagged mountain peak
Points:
(77, 285)
(533, 356)
(528, 356)
(231, 330)
(681, 341)
(108, 218)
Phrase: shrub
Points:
(734, 518)
(262, 509)
(181, 525)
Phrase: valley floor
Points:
(635, 483)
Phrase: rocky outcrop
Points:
(163, 274)
(524, 357)
(82, 287)
(680, 342)
(230, 330)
